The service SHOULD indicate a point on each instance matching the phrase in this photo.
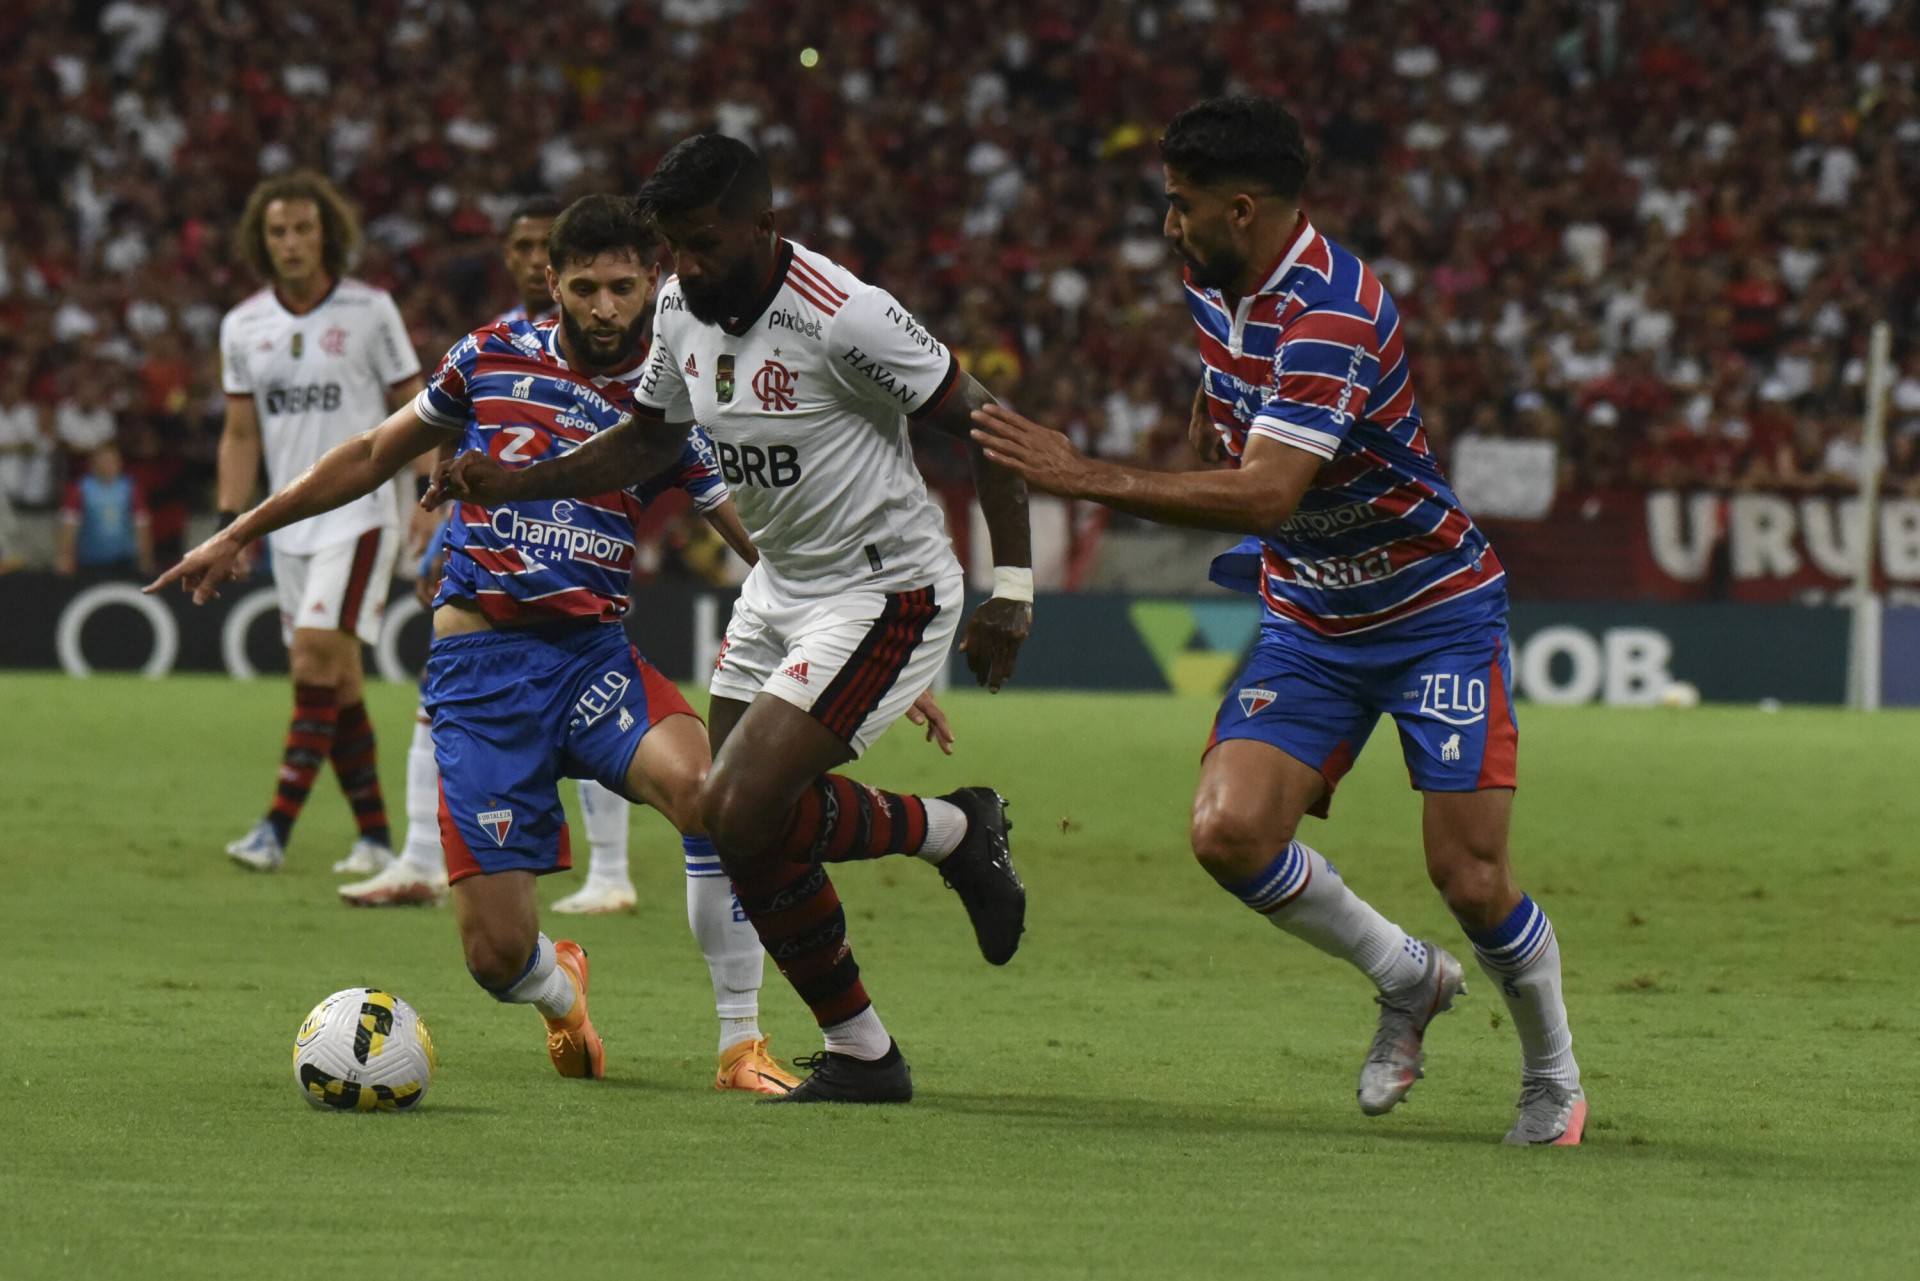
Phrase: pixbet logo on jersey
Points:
(774, 386)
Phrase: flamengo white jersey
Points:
(317, 379)
(806, 398)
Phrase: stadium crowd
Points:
(1654, 234)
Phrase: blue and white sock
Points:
(735, 959)
(1301, 893)
(542, 984)
(1522, 956)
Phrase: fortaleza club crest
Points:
(1255, 700)
(497, 822)
(723, 380)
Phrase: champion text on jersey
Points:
(497, 822)
(559, 535)
(774, 386)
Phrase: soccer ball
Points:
(363, 1050)
(1680, 694)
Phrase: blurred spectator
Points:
(26, 443)
(103, 524)
(1689, 213)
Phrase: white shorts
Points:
(340, 588)
(855, 661)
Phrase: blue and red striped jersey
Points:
(1315, 360)
(507, 390)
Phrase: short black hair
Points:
(594, 225)
(532, 207)
(706, 169)
(1239, 139)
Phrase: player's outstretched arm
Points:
(1255, 498)
(627, 454)
(1003, 621)
(726, 522)
(347, 471)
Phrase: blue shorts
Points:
(515, 711)
(1444, 680)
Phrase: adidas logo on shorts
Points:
(797, 672)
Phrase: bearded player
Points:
(307, 362)
(419, 874)
(530, 676)
(1381, 595)
(807, 379)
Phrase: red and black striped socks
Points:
(797, 913)
(355, 762)
(316, 711)
(840, 821)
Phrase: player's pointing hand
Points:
(470, 478)
(205, 569)
(1045, 457)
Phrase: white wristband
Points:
(1013, 582)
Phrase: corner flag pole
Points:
(1863, 649)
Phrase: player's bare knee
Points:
(734, 818)
(1471, 883)
(495, 958)
(1232, 845)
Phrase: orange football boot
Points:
(572, 1043)
(748, 1066)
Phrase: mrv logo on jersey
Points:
(324, 397)
(775, 467)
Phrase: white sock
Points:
(1522, 956)
(861, 1037)
(543, 984)
(422, 849)
(735, 959)
(1302, 894)
(946, 828)
(606, 815)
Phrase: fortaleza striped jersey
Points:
(507, 390)
(1315, 360)
(807, 396)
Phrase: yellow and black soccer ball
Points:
(363, 1050)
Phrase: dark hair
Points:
(339, 226)
(707, 169)
(532, 207)
(594, 225)
(1238, 139)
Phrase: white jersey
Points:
(317, 379)
(806, 398)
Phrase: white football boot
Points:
(366, 858)
(599, 899)
(400, 884)
(259, 849)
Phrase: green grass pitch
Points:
(1160, 1085)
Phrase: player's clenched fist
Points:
(994, 635)
(205, 569)
(471, 477)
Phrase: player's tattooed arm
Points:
(634, 450)
(1254, 498)
(350, 470)
(1001, 624)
